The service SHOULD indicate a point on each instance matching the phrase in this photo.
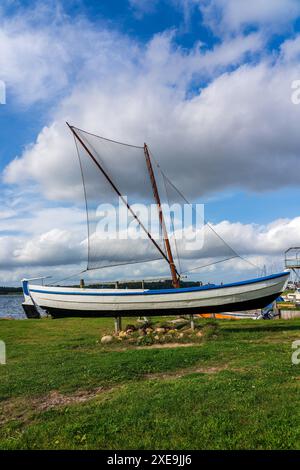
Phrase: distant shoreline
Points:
(10, 290)
(11, 293)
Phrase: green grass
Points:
(235, 390)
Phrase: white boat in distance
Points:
(81, 302)
(72, 302)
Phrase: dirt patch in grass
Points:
(270, 339)
(168, 345)
(183, 372)
(22, 410)
(154, 346)
(56, 399)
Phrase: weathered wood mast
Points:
(175, 277)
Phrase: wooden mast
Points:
(175, 277)
(118, 192)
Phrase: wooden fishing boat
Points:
(67, 301)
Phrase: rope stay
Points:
(108, 178)
(236, 254)
(86, 203)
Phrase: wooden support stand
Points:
(118, 324)
(192, 322)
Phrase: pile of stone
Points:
(150, 334)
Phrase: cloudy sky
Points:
(206, 83)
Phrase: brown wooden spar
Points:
(175, 277)
(117, 191)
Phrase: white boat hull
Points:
(67, 301)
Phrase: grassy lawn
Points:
(62, 389)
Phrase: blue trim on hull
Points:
(168, 291)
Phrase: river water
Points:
(11, 306)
